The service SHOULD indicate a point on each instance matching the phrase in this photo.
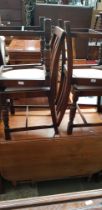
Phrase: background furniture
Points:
(24, 51)
(36, 81)
(27, 49)
(15, 15)
(12, 12)
(79, 17)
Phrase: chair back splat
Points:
(31, 81)
(64, 76)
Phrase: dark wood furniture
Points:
(24, 51)
(12, 12)
(38, 81)
(42, 159)
(23, 47)
(80, 17)
(90, 199)
(28, 50)
(21, 33)
(86, 81)
(66, 13)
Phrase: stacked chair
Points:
(37, 81)
(80, 80)
(32, 159)
(56, 79)
(85, 80)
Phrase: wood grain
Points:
(24, 51)
(50, 158)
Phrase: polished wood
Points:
(35, 82)
(24, 51)
(86, 80)
(37, 159)
(26, 48)
(41, 155)
(65, 12)
(84, 199)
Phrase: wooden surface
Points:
(48, 159)
(83, 200)
(24, 51)
(39, 155)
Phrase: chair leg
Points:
(6, 122)
(12, 108)
(72, 114)
(54, 119)
(0, 114)
(99, 106)
(1, 109)
(1, 185)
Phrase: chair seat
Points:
(24, 78)
(88, 88)
(85, 80)
(87, 77)
(24, 74)
(27, 82)
(16, 93)
(37, 81)
(87, 73)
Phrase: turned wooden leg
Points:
(0, 113)
(0, 108)
(72, 114)
(53, 115)
(6, 122)
(12, 108)
(1, 185)
(99, 105)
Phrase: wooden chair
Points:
(40, 32)
(86, 80)
(64, 78)
(36, 81)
